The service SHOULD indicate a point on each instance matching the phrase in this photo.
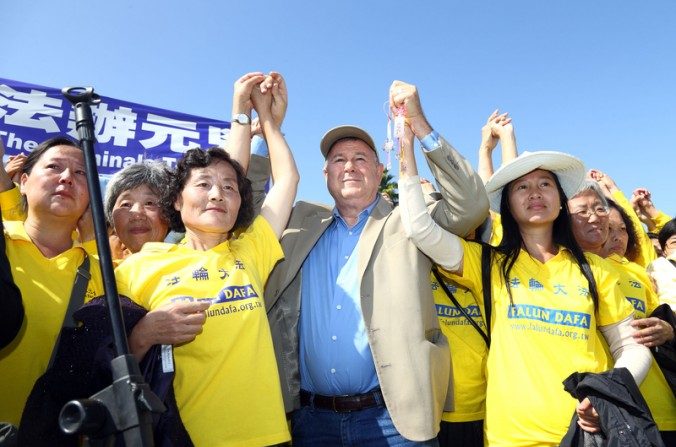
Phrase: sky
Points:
(594, 79)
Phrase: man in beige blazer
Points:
(351, 307)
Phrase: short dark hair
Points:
(666, 232)
(43, 147)
(632, 241)
(201, 158)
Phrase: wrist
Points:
(486, 148)
(419, 125)
(651, 211)
(241, 108)
(270, 126)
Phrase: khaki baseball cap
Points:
(345, 131)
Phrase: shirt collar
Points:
(363, 215)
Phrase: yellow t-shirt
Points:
(468, 350)
(45, 285)
(226, 381)
(637, 288)
(11, 205)
(660, 221)
(496, 229)
(549, 333)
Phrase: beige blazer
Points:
(411, 355)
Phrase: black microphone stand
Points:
(125, 407)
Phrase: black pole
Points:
(126, 406)
(84, 124)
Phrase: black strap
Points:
(442, 284)
(76, 300)
(486, 286)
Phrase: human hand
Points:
(588, 418)
(645, 202)
(170, 324)
(652, 331)
(85, 226)
(497, 127)
(404, 96)
(280, 97)
(261, 97)
(427, 187)
(606, 183)
(14, 165)
(243, 88)
(256, 127)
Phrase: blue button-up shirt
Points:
(335, 357)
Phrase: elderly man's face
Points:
(352, 173)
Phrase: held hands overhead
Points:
(404, 96)
(267, 94)
(498, 127)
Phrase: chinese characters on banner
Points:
(126, 132)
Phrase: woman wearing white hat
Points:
(548, 298)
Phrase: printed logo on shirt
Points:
(451, 287)
(453, 312)
(560, 289)
(235, 293)
(635, 284)
(200, 274)
(535, 285)
(514, 283)
(225, 298)
(638, 304)
(551, 316)
(172, 281)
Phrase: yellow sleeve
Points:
(10, 203)
(496, 229)
(645, 253)
(660, 221)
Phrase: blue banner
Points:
(126, 132)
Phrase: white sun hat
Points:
(568, 169)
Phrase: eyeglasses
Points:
(600, 211)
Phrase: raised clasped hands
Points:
(270, 99)
(404, 96)
(498, 126)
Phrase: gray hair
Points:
(591, 185)
(153, 173)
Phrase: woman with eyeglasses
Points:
(604, 228)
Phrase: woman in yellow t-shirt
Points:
(637, 288)
(44, 261)
(205, 295)
(548, 298)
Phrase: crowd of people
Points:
(511, 307)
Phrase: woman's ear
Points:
(22, 182)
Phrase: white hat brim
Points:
(568, 169)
